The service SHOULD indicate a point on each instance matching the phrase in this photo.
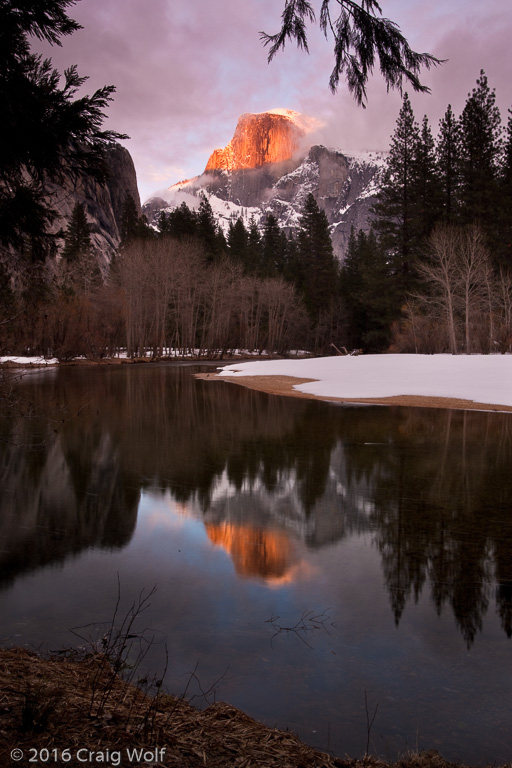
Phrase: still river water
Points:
(394, 525)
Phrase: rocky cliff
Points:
(266, 137)
(103, 202)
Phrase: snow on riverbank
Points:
(480, 378)
(29, 361)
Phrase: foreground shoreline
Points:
(81, 711)
(276, 383)
(284, 385)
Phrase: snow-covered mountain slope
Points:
(343, 183)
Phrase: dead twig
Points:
(308, 622)
(119, 648)
(369, 722)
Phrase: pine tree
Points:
(47, 134)
(132, 226)
(320, 270)
(427, 180)
(448, 161)
(481, 146)
(350, 288)
(254, 248)
(271, 255)
(293, 268)
(368, 293)
(504, 211)
(80, 271)
(207, 230)
(397, 210)
(506, 169)
(238, 241)
(283, 257)
(77, 237)
(222, 244)
(181, 222)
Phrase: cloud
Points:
(185, 70)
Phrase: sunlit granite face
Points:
(261, 138)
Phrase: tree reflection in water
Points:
(433, 486)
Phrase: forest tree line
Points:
(432, 274)
(183, 286)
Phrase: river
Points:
(341, 571)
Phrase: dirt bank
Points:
(283, 385)
(51, 705)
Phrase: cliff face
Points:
(103, 202)
(122, 180)
(343, 185)
(267, 137)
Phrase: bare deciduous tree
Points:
(460, 295)
(472, 280)
(440, 275)
(173, 297)
(503, 303)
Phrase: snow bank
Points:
(42, 361)
(481, 378)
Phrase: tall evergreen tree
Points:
(222, 244)
(397, 210)
(7, 308)
(293, 271)
(350, 287)
(368, 293)
(504, 239)
(283, 258)
(132, 226)
(238, 241)
(481, 146)
(77, 237)
(506, 170)
(427, 180)
(320, 270)
(448, 161)
(46, 133)
(207, 230)
(272, 244)
(80, 271)
(254, 248)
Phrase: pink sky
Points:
(186, 69)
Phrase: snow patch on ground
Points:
(29, 360)
(480, 378)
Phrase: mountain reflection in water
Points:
(255, 551)
(275, 483)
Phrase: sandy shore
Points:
(283, 385)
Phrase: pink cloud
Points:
(186, 69)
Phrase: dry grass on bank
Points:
(61, 704)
